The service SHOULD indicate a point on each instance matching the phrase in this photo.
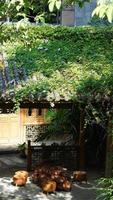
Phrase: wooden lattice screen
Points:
(66, 156)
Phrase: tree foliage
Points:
(104, 9)
(62, 122)
(58, 3)
(35, 11)
(39, 10)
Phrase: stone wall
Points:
(76, 16)
(68, 16)
(83, 15)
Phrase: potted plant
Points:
(22, 150)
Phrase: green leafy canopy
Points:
(62, 63)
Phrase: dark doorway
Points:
(95, 146)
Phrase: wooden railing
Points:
(66, 156)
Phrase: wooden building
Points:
(16, 127)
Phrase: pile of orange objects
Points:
(51, 179)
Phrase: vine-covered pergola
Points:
(57, 67)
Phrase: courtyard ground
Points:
(9, 163)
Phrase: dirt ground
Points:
(9, 163)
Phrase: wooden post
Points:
(82, 140)
(29, 157)
(109, 149)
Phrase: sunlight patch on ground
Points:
(85, 186)
(28, 192)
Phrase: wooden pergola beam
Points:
(36, 104)
(45, 104)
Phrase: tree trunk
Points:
(109, 149)
(82, 140)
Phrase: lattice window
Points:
(32, 131)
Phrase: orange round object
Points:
(49, 186)
(22, 173)
(19, 181)
(80, 176)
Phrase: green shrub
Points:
(105, 189)
(55, 32)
